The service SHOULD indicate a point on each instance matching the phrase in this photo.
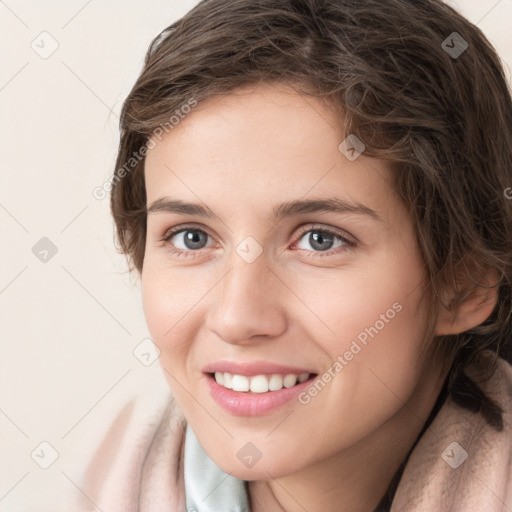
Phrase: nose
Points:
(247, 304)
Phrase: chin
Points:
(265, 468)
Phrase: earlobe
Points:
(473, 311)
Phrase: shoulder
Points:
(133, 452)
(460, 459)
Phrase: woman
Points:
(314, 195)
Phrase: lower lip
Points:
(253, 404)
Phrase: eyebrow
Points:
(288, 209)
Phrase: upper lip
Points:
(249, 369)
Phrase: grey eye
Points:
(192, 239)
(320, 240)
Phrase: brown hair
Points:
(443, 119)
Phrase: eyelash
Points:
(350, 243)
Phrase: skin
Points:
(241, 155)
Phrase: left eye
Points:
(322, 240)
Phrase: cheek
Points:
(380, 306)
(375, 325)
(374, 369)
(167, 299)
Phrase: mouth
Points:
(255, 395)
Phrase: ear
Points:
(473, 310)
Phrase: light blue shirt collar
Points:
(207, 487)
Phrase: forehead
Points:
(259, 146)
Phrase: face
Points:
(328, 295)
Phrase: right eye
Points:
(191, 239)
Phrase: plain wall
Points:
(70, 324)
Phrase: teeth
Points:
(290, 380)
(275, 383)
(228, 380)
(259, 383)
(240, 383)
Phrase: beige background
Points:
(70, 325)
